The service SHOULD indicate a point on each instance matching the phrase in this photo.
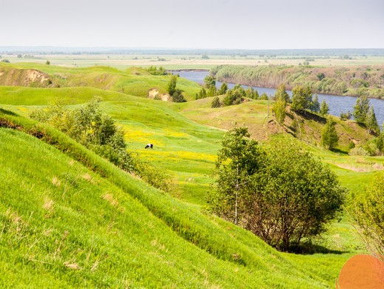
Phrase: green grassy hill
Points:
(258, 117)
(72, 219)
(134, 81)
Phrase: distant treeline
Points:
(354, 80)
(170, 51)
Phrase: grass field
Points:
(190, 61)
(75, 220)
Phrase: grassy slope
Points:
(189, 150)
(64, 225)
(134, 81)
(257, 116)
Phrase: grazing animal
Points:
(149, 146)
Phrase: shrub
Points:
(157, 70)
(98, 132)
(329, 137)
(368, 212)
(301, 98)
(279, 110)
(234, 96)
(345, 115)
(282, 193)
(215, 102)
(358, 151)
(177, 96)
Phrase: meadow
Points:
(190, 61)
(75, 220)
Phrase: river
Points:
(337, 104)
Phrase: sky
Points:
(204, 24)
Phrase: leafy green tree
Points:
(281, 93)
(255, 94)
(320, 76)
(371, 121)
(279, 110)
(324, 108)
(345, 115)
(367, 209)
(251, 93)
(209, 81)
(281, 193)
(239, 158)
(212, 91)
(329, 137)
(92, 128)
(177, 96)
(215, 102)
(172, 85)
(294, 196)
(234, 96)
(361, 109)
(264, 96)
(202, 93)
(301, 98)
(315, 105)
(223, 89)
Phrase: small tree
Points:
(371, 121)
(172, 85)
(234, 96)
(281, 93)
(177, 96)
(329, 137)
(324, 108)
(212, 91)
(202, 93)
(215, 102)
(345, 115)
(320, 76)
(238, 159)
(209, 81)
(361, 109)
(367, 209)
(223, 89)
(315, 105)
(301, 98)
(47, 62)
(279, 110)
(294, 197)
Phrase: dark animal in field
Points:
(149, 146)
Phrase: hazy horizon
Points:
(213, 24)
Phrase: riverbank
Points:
(337, 103)
(333, 80)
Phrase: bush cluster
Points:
(97, 131)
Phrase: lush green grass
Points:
(80, 229)
(134, 81)
(216, 253)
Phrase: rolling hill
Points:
(72, 219)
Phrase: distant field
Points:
(192, 61)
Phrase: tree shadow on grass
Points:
(310, 249)
(339, 151)
(7, 112)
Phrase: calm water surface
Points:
(337, 104)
